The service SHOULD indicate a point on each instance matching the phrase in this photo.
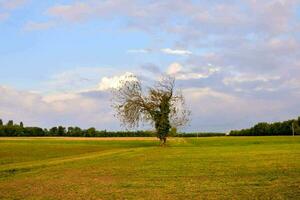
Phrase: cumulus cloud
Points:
(174, 68)
(36, 109)
(219, 111)
(214, 109)
(252, 82)
(115, 82)
(177, 70)
(77, 79)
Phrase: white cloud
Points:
(241, 78)
(177, 70)
(212, 109)
(60, 97)
(115, 82)
(174, 68)
(139, 51)
(57, 109)
(77, 79)
(179, 52)
(217, 110)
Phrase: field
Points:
(188, 168)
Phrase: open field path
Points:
(26, 166)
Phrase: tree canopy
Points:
(161, 105)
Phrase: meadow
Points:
(138, 168)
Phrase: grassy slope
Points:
(204, 168)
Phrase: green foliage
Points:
(15, 130)
(10, 123)
(265, 129)
(161, 118)
(90, 132)
(61, 131)
(53, 131)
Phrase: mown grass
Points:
(188, 168)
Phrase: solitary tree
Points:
(161, 105)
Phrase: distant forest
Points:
(289, 127)
(11, 129)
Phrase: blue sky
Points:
(237, 62)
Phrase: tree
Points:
(1, 122)
(161, 106)
(90, 132)
(61, 131)
(262, 128)
(10, 123)
(53, 131)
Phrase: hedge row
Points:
(266, 129)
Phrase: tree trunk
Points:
(165, 140)
(161, 141)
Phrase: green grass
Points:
(188, 168)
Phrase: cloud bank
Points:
(213, 109)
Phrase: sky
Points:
(237, 62)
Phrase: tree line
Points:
(288, 127)
(10, 129)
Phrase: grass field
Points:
(188, 168)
